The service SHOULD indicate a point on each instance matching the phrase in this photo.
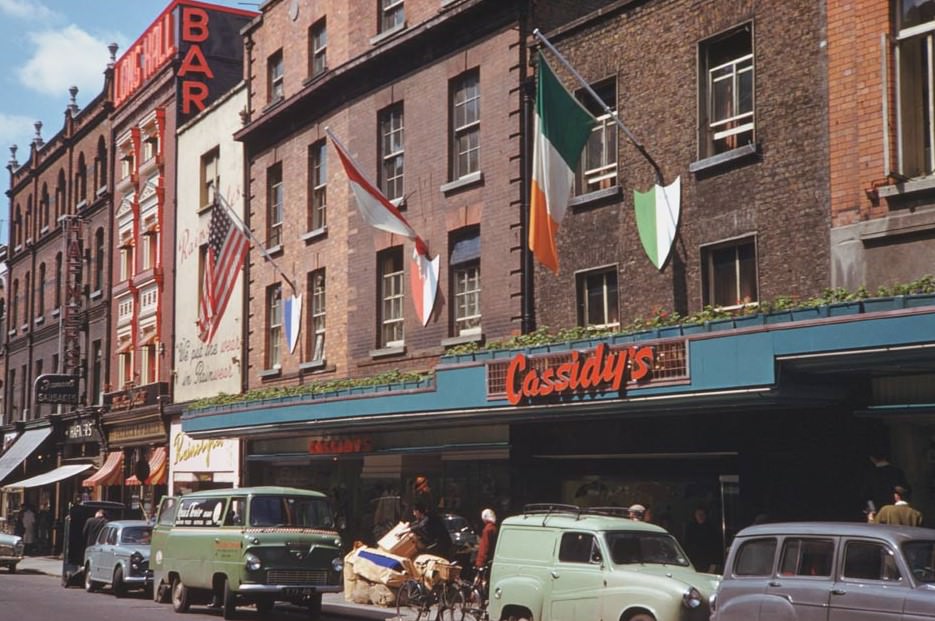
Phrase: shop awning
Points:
(158, 468)
(59, 474)
(109, 474)
(21, 449)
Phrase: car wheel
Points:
(264, 606)
(89, 585)
(229, 603)
(314, 607)
(162, 593)
(118, 587)
(180, 601)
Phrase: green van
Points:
(241, 546)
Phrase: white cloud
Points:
(15, 129)
(65, 57)
(25, 9)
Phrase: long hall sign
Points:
(597, 370)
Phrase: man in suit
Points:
(899, 512)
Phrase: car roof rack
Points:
(549, 508)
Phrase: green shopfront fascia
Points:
(774, 418)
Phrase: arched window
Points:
(27, 226)
(18, 227)
(27, 296)
(44, 207)
(81, 180)
(40, 294)
(14, 304)
(100, 165)
(99, 259)
(59, 196)
(58, 280)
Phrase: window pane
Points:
(755, 558)
(869, 561)
(915, 12)
(807, 557)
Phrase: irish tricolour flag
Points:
(562, 127)
(657, 219)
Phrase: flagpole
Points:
(243, 227)
(607, 109)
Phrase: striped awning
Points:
(109, 474)
(158, 468)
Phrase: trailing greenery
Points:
(661, 318)
(312, 388)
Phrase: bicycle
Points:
(474, 595)
(417, 600)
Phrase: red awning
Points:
(158, 468)
(109, 474)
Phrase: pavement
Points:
(332, 603)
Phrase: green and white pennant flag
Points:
(657, 219)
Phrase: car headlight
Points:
(18, 547)
(136, 560)
(252, 561)
(692, 598)
(337, 564)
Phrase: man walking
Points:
(899, 512)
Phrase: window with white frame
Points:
(597, 298)
(274, 326)
(275, 197)
(728, 120)
(464, 267)
(728, 272)
(274, 73)
(150, 145)
(149, 363)
(210, 176)
(126, 163)
(390, 270)
(318, 182)
(99, 261)
(465, 125)
(318, 48)
(597, 168)
(150, 243)
(125, 310)
(391, 15)
(315, 333)
(915, 59)
(126, 254)
(391, 151)
(148, 299)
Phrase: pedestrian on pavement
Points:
(899, 512)
(703, 542)
(879, 482)
(488, 539)
(93, 527)
(637, 512)
(29, 530)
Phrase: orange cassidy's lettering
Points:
(599, 368)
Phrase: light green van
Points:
(255, 545)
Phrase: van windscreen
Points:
(294, 511)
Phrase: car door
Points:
(108, 554)
(871, 586)
(577, 578)
(750, 567)
(98, 556)
(805, 576)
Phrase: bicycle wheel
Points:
(412, 601)
(450, 603)
(475, 608)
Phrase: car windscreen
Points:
(292, 511)
(627, 547)
(920, 556)
(455, 523)
(136, 535)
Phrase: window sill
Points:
(270, 373)
(81, 205)
(399, 203)
(386, 352)
(906, 188)
(454, 341)
(12, 332)
(56, 312)
(314, 234)
(96, 294)
(205, 208)
(274, 251)
(44, 230)
(315, 77)
(38, 321)
(101, 191)
(595, 196)
(273, 104)
(24, 328)
(387, 34)
(721, 159)
(18, 248)
(312, 365)
(475, 178)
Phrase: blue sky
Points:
(46, 46)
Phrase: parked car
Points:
(463, 538)
(826, 570)
(248, 545)
(119, 557)
(566, 563)
(73, 542)
(11, 551)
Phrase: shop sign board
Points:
(600, 369)
(57, 388)
(81, 430)
(340, 445)
(211, 455)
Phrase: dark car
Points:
(120, 557)
(463, 538)
(828, 570)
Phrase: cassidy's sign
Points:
(600, 369)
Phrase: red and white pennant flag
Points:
(381, 214)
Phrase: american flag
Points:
(227, 248)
